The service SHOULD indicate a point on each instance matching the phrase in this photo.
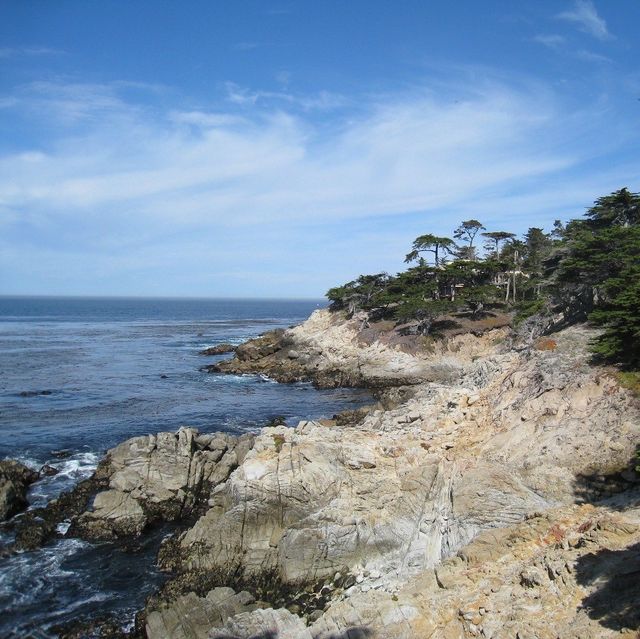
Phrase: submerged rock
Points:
(15, 479)
(37, 526)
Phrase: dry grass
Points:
(546, 344)
(629, 380)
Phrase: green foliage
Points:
(537, 247)
(358, 294)
(621, 208)
(439, 246)
(630, 380)
(278, 442)
(600, 275)
(529, 308)
(587, 268)
(494, 238)
(467, 232)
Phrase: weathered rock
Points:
(219, 349)
(48, 471)
(527, 580)
(265, 624)
(400, 490)
(15, 479)
(326, 350)
(311, 499)
(192, 617)
(163, 477)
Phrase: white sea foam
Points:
(70, 471)
(78, 466)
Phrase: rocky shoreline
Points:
(491, 492)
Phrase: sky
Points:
(275, 148)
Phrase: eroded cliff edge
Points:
(495, 497)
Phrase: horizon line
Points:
(156, 297)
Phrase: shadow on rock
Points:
(615, 577)
(358, 632)
(619, 488)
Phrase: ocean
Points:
(80, 375)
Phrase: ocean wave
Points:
(70, 471)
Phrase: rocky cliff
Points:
(494, 498)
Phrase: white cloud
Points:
(585, 16)
(590, 56)
(401, 154)
(14, 52)
(236, 189)
(321, 101)
(283, 77)
(551, 40)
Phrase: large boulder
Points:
(219, 349)
(163, 477)
(15, 479)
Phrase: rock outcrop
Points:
(406, 494)
(163, 477)
(219, 349)
(193, 617)
(15, 479)
(570, 572)
(330, 351)
(405, 488)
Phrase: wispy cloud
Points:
(551, 40)
(122, 178)
(14, 52)
(401, 154)
(283, 77)
(321, 101)
(590, 56)
(586, 18)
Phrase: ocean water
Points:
(80, 375)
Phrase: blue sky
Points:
(279, 148)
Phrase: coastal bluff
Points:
(489, 492)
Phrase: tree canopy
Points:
(586, 269)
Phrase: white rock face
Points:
(454, 515)
(193, 617)
(267, 624)
(163, 476)
(409, 487)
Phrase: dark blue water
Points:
(81, 375)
